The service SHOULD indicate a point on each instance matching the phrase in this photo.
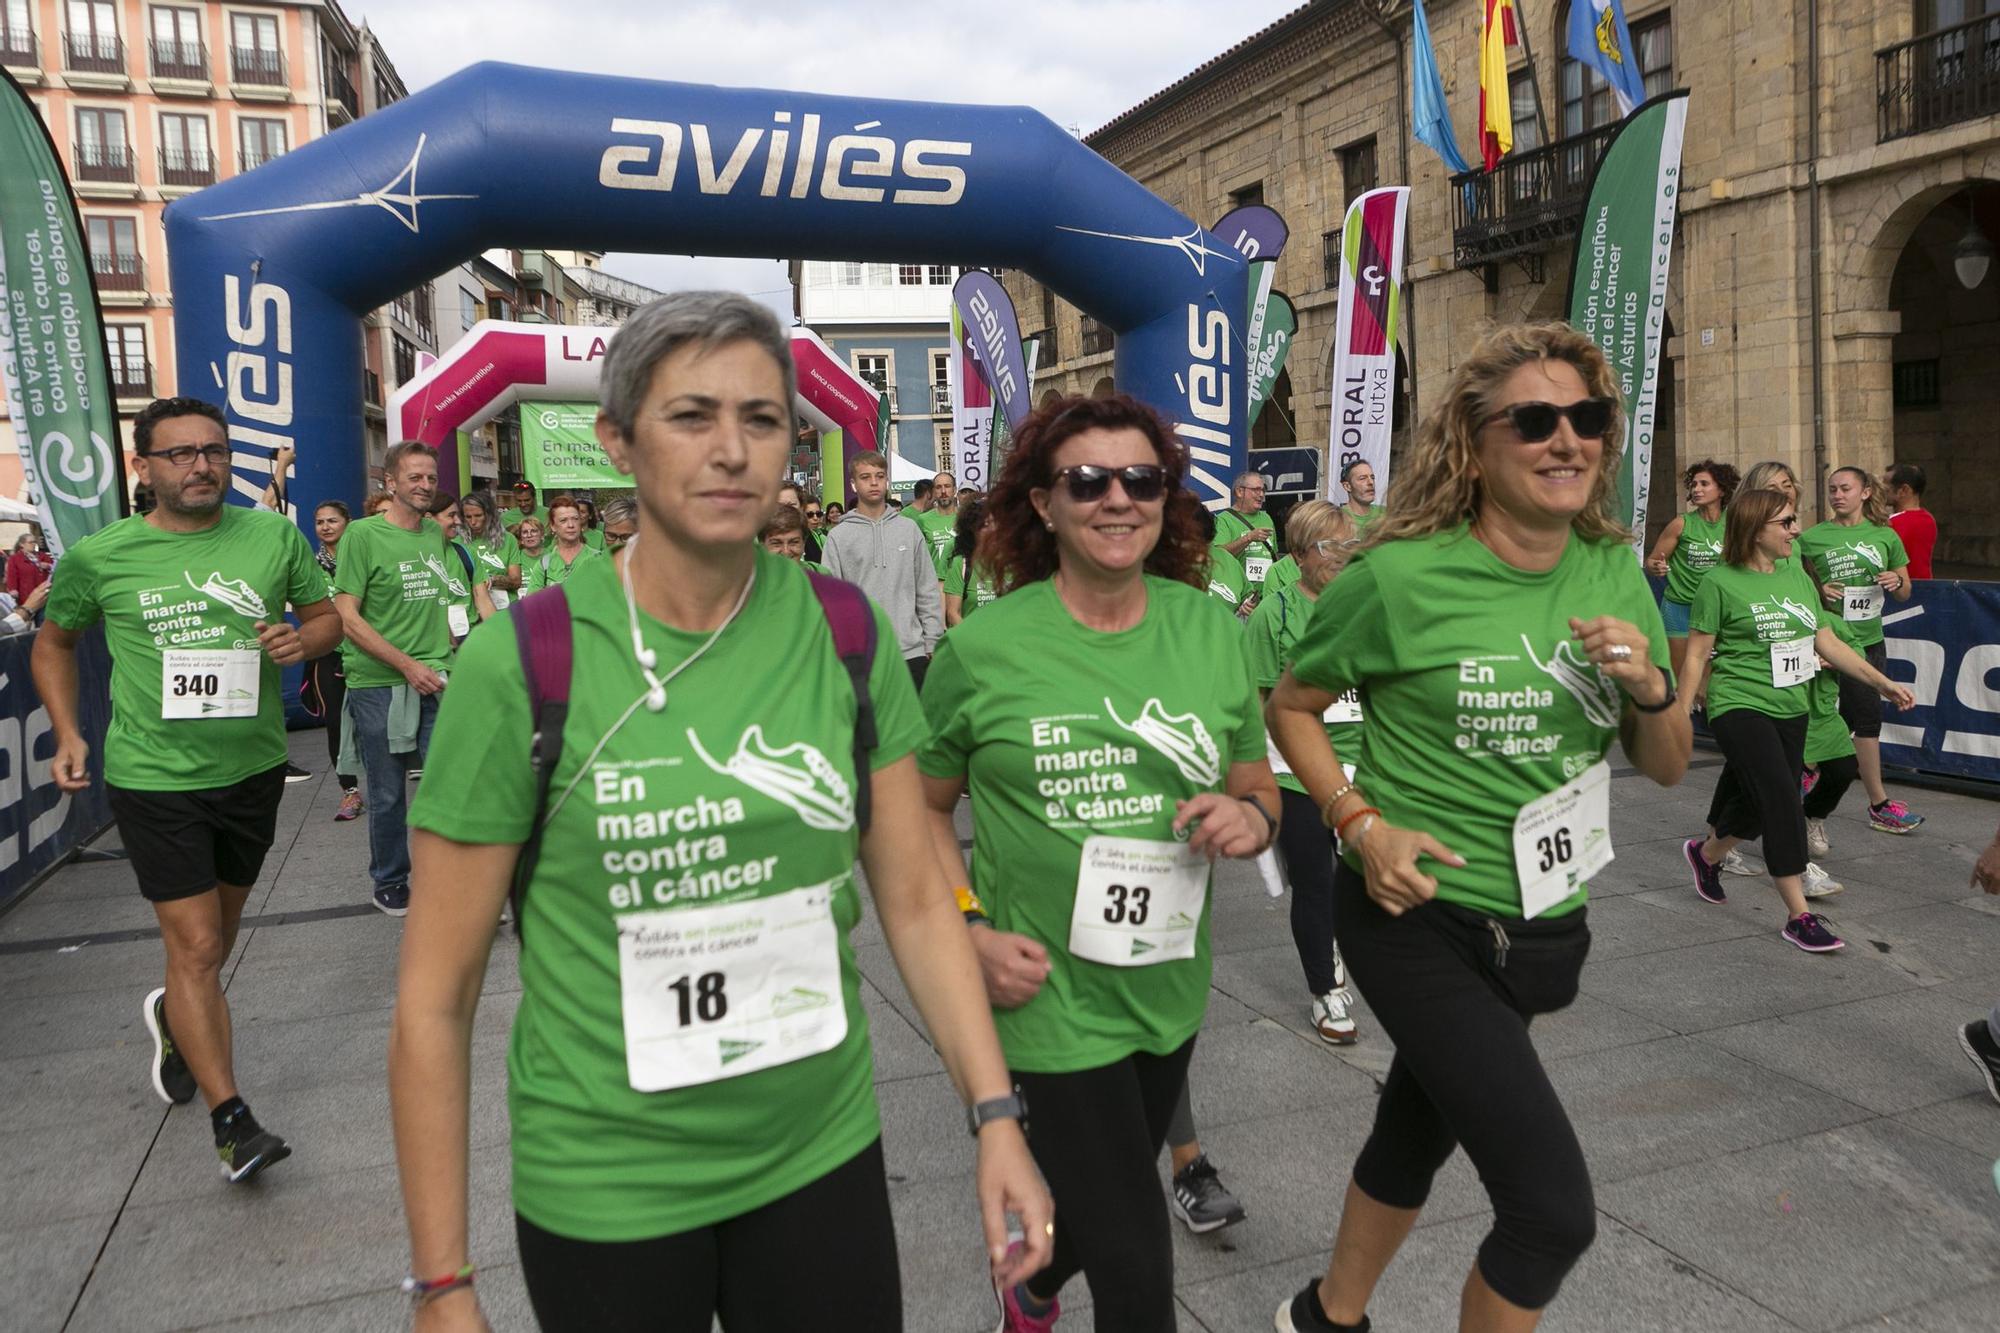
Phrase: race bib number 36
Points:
(1563, 839)
(1138, 901)
(1793, 662)
(209, 682)
(713, 992)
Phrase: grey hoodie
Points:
(890, 560)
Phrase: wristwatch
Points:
(1010, 1107)
(1664, 704)
(1270, 820)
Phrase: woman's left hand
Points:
(1898, 695)
(1889, 579)
(1008, 1182)
(1228, 826)
(1633, 668)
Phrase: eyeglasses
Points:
(613, 537)
(182, 456)
(1535, 422)
(1143, 482)
(1332, 546)
(1788, 521)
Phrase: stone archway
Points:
(1104, 388)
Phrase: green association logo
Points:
(734, 1050)
(797, 1000)
(1141, 946)
(1180, 921)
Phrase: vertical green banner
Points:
(1618, 286)
(52, 352)
(559, 449)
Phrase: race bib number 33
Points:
(1138, 901)
(714, 992)
(209, 682)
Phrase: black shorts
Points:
(1860, 705)
(182, 843)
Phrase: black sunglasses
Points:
(1086, 482)
(1535, 422)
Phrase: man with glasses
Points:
(192, 597)
(1244, 532)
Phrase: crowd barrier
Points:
(1944, 643)
(39, 825)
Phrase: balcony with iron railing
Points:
(249, 159)
(184, 61)
(93, 53)
(18, 48)
(341, 94)
(1527, 203)
(118, 272)
(111, 162)
(187, 169)
(132, 377)
(257, 66)
(1097, 337)
(1938, 79)
(940, 400)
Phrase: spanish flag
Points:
(1496, 110)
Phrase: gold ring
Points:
(1049, 1227)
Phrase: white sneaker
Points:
(1330, 1020)
(1816, 843)
(1734, 864)
(1819, 884)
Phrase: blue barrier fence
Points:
(39, 825)
(1945, 645)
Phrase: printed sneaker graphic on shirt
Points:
(797, 775)
(456, 587)
(1870, 552)
(797, 1000)
(1189, 746)
(734, 1049)
(1800, 612)
(235, 594)
(1569, 668)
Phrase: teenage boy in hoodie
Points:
(886, 554)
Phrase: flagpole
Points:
(1521, 26)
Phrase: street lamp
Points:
(1974, 253)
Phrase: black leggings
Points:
(1096, 1135)
(1757, 795)
(1466, 1074)
(1860, 705)
(1306, 844)
(1835, 777)
(822, 1257)
(324, 694)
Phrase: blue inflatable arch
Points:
(273, 270)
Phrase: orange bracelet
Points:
(1341, 827)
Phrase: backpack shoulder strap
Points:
(465, 558)
(545, 641)
(852, 621)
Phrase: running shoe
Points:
(1976, 1040)
(1202, 1201)
(1809, 932)
(1734, 864)
(1330, 1020)
(1807, 781)
(1301, 1314)
(1816, 843)
(1707, 881)
(246, 1147)
(1819, 884)
(393, 899)
(1015, 1318)
(350, 805)
(1893, 817)
(171, 1078)
(293, 773)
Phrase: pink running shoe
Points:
(350, 805)
(1014, 1319)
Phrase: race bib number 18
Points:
(209, 682)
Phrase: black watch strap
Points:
(1270, 820)
(1010, 1107)
(1664, 704)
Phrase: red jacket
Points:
(26, 572)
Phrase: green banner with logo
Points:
(1618, 286)
(1275, 325)
(52, 353)
(559, 448)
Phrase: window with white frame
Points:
(873, 367)
(129, 369)
(909, 275)
(940, 275)
(261, 139)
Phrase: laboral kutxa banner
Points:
(1364, 340)
(1618, 285)
(559, 448)
(52, 352)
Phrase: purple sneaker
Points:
(1707, 878)
(1809, 932)
(1015, 1319)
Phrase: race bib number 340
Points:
(714, 992)
(209, 682)
(1138, 901)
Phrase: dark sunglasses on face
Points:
(1086, 482)
(812, 513)
(1535, 422)
(1788, 521)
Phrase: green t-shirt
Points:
(1698, 551)
(1258, 555)
(1748, 612)
(1361, 521)
(594, 539)
(515, 517)
(1225, 577)
(1852, 556)
(1479, 699)
(159, 592)
(1066, 733)
(404, 581)
(548, 569)
(729, 795)
(941, 531)
(958, 576)
(493, 562)
(1270, 642)
(1827, 736)
(1284, 574)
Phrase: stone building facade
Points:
(1841, 157)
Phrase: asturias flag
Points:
(1496, 109)
(1599, 39)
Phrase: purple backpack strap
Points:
(543, 637)
(852, 620)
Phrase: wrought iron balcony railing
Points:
(187, 168)
(18, 48)
(93, 53)
(119, 272)
(179, 60)
(1527, 203)
(257, 65)
(106, 162)
(1938, 79)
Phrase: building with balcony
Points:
(892, 324)
(1829, 305)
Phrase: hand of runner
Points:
(1009, 1183)
(454, 1312)
(1260, 534)
(71, 766)
(1227, 826)
(423, 679)
(1889, 579)
(1900, 696)
(1656, 565)
(1634, 673)
(1013, 966)
(1832, 593)
(1389, 858)
(281, 642)
(1986, 871)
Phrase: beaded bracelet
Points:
(1326, 811)
(1341, 827)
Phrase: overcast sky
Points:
(1080, 62)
